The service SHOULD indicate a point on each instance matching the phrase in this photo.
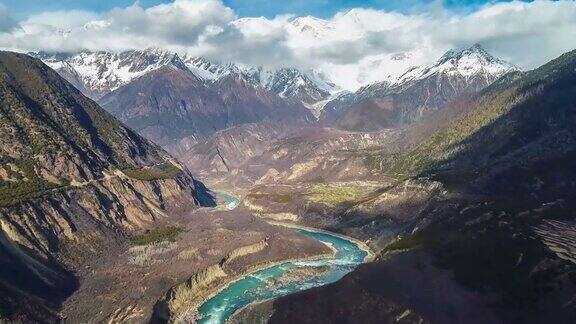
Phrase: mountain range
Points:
(177, 101)
(173, 100)
(416, 92)
(458, 176)
(99, 73)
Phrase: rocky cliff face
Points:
(185, 296)
(73, 182)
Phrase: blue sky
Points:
(327, 8)
(268, 8)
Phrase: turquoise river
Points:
(263, 284)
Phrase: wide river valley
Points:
(276, 281)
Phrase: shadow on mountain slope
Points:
(504, 234)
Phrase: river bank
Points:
(192, 312)
(363, 246)
(259, 310)
(230, 201)
(256, 286)
(265, 278)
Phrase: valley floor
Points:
(124, 285)
(443, 256)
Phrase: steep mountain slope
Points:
(73, 182)
(499, 243)
(229, 149)
(241, 96)
(170, 105)
(417, 92)
(167, 104)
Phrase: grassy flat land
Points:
(335, 194)
(160, 234)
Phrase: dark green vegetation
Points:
(49, 131)
(25, 184)
(164, 171)
(334, 195)
(278, 198)
(159, 234)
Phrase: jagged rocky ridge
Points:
(73, 182)
(417, 92)
(99, 73)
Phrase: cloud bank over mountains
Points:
(350, 44)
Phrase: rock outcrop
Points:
(184, 296)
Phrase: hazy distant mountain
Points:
(416, 92)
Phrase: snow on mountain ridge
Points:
(204, 69)
(310, 26)
(102, 72)
(466, 62)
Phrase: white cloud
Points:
(63, 20)
(178, 24)
(526, 33)
(357, 46)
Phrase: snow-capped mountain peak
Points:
(98, 73)
(466, 62)
(205, 69)
(310, 26)
(101, 72)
